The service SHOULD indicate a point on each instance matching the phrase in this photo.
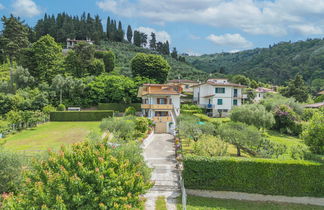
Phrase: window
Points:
(235, 102)
(219, 90)
(187, 86)
(219, 101)
(161, 101)
(235, 92)
(161, 114)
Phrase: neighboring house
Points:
(314, 106)
(321, 92)
(70, 43)
(161, 103)
(218, 96)
(186, 85)
(261, 92)
(187, 90)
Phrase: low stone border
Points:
(255, 197)
(148, 140)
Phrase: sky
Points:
(195, 26)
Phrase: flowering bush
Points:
(88, 176)
(286, 120)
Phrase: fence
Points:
(183, 193)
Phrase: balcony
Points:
(157, 106)
(162, 119)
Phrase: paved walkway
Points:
(160, 155)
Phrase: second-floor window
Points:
(235, 92)
(161, 101)
(219, 101)
(219, 90)
(235, 102)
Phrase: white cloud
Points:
(1, 6)
(230, 40)
(161, 36)
(271, 17)
(307, 29)
(25, 8)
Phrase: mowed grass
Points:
(50, 135)
(283, 138)
(202, 203)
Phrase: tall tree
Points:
(137, 38)
(150, 66)
(120, 32)
(48, 56)
(296, 88)
(14, 36)
(108, 29)
(129, 34)
(174, 53)
(153, 41)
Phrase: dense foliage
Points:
(253, 115)
(264, 176)
(118, 107)
(210, 146)
(314, 133)
(90, 175)
(276, 64)
(150, 66)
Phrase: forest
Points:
(276, 64)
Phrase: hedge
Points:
(264, 176)
(80, 115)
(118, 107)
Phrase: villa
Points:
(218, 96)
(161, 103)
(261, 92)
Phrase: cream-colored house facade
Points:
(218, 96)
(161, 103)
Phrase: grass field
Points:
(201, 203)
(283, 138)
(50, 135)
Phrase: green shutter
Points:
(235, 102)
(219, 101)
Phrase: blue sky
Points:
(195, 26)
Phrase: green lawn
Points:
(201, 203)
(283, 138)
(50, 135)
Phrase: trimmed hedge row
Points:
(118, 107)
(80, 115)
(265, 176)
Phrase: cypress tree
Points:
(129, 34)
(153, 41)
(108, 29)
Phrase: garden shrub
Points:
(190, 109)
(252, 175)
(130, 111)
(142, 124)
(122, 128)
(314, 133)
(11, 167)
(308, 114)
(87, 176)
(80, 115)
(61, 107)
(118, 106)
(253, 114)
(286, 120)
(210, 146)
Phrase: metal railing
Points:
(183, 193)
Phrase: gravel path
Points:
(160, 155)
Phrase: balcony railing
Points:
(162, 119)
(157, 106)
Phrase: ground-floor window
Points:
(235, 102)
(161, 114)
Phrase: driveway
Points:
(160, 155)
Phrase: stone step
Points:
(166, 182)
(169, 188)
(167, 176)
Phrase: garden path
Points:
(160, 155)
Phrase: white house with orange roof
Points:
(218, 96)
(261, 92)
(161, 103)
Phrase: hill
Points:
(275, 64)
(125, 51)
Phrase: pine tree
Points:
(14, 36)
(129, 34)
(153, 41)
